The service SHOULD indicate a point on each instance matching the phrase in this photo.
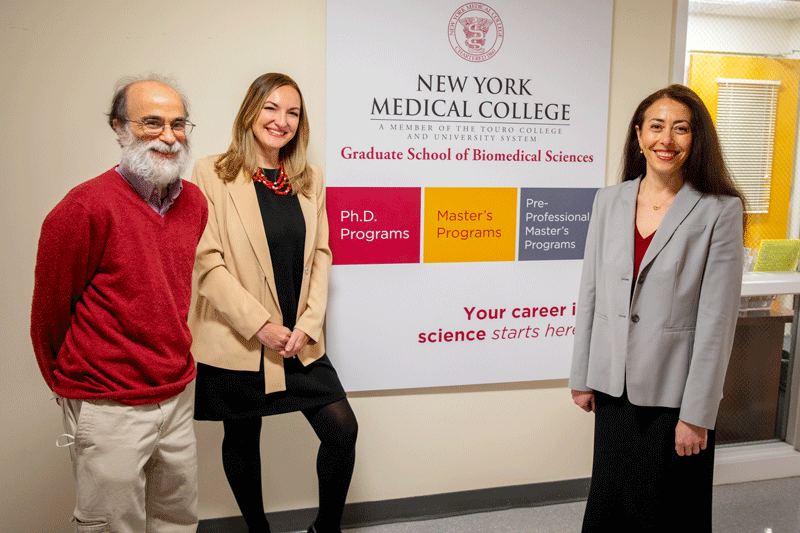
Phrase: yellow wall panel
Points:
(704, 69)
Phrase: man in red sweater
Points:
(108, 323)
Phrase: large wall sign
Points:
(465, 143)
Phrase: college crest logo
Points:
(475, 32)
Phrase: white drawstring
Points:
(70, 440)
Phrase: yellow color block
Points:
(469, 224)
(704, 69)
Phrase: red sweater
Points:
(112, 291)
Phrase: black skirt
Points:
(222, 394)
(639, 482)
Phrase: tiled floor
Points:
(771, 506)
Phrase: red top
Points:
(112, 291)
(640, 245)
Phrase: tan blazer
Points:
(235, 286)
(670, 343)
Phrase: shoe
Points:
(312, 529)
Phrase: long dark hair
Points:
(705, 168)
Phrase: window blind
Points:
(746, 114)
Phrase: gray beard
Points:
(139, 159)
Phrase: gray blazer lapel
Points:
(681, 206)
(628, 222)
(245, 200)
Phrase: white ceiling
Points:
(774, 9)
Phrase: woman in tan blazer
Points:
(262, 283)
(656, 317)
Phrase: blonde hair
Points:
(241, 155)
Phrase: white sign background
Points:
(379, 51)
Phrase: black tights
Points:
(335, 425)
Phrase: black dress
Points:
(226, 394)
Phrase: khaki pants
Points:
(135, 466)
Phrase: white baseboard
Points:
(755, 462)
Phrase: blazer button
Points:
(307, 270)
(635, 319)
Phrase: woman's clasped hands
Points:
(283, 340)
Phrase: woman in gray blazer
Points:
(656, 317)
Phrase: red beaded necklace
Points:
(281, 186)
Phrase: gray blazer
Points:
(669, 343)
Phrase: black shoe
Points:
(312, 529)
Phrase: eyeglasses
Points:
(154, 126)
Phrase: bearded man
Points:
(110, 305)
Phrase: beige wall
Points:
(59, 62)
